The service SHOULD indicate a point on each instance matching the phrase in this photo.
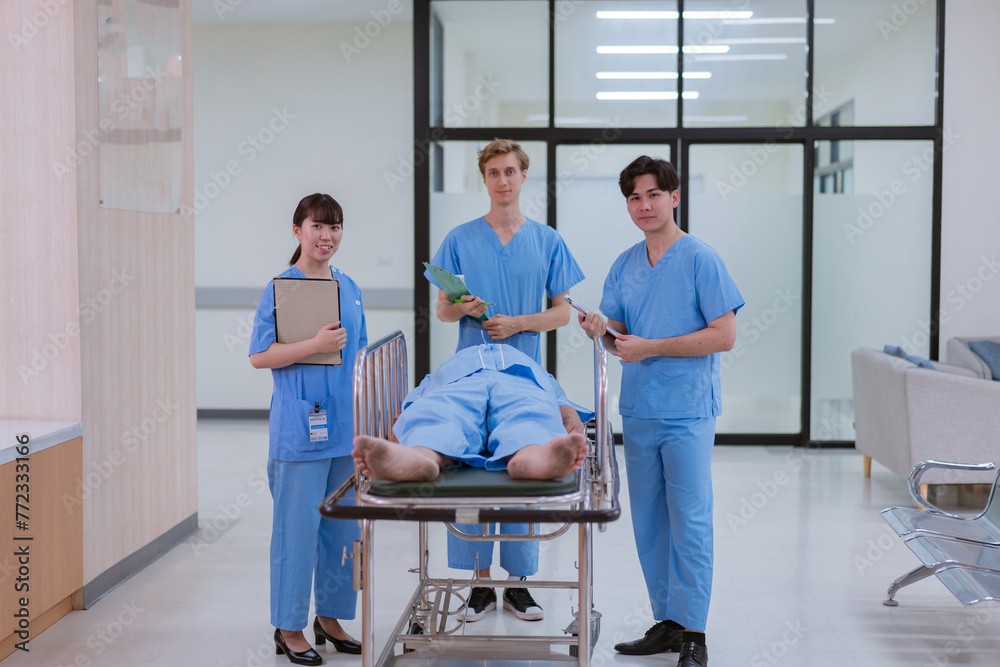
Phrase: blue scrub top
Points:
(297, 388)
(515, 277)
(499, 357)
(688, 288)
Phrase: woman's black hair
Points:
(321, 208)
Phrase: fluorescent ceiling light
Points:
(672, 15)
(637, 15)
(656, 49)
(645, 95)
(652, 75)
(759, 40)
(715, 119)
(747, 56)
(776, 20)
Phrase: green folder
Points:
(453, 286)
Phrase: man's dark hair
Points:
(663, 171)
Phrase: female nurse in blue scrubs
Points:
(674, 300)
(306, 550)
(510, 263)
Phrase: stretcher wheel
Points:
(415, 629)
(595, 632)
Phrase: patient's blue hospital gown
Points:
(480, 407)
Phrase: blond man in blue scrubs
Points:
(673, 300)
(510, 263)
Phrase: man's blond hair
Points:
(502, 147)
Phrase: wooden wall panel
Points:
(40, 355)
(137, 354)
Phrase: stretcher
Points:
(429, 631)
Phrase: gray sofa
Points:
(957, 351)
(904, 414)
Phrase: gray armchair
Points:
(904, 414)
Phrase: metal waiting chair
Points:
(983, 528)
(963, 552)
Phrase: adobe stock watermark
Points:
(751, 505)
(57, 341)
(900, 15)
(912, 168)
(772, 655)
(100, 641)
(582, 157)
(758, 325)
(365, 34)
(967, 630)
(757, 156)
(877, 548)
(454, 116)
(210, 530)
(249, 149)
(244, 329)
(31, 25)
(564, 9)
(958, 296)
(131, 439)
(223, 7)
(120, 108)
(260, 655)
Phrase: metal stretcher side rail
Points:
(582, 499)
(460, 496)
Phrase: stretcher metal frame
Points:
(421, 633)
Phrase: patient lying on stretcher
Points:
(488, 406)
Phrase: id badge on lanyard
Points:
(317, 425)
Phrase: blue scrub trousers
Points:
(306, 549)
(669, 466)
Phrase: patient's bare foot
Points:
(381, 459)
(558, 457)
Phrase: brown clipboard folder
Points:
(303, 306)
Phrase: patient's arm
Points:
(570, 419)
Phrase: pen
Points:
(580, 307)
(459, 300)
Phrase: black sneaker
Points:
(480, 601)
(519, 601)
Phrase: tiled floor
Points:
(802, 563)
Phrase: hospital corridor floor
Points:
(802, 562)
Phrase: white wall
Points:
(970, 228)
(343, 125)
(353, 125)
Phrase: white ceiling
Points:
(294, 11)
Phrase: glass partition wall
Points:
(807, 135)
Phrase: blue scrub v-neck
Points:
(515, 278)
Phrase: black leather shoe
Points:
(309, 657)
(661, 638)
(693, 655)
(342, 645)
